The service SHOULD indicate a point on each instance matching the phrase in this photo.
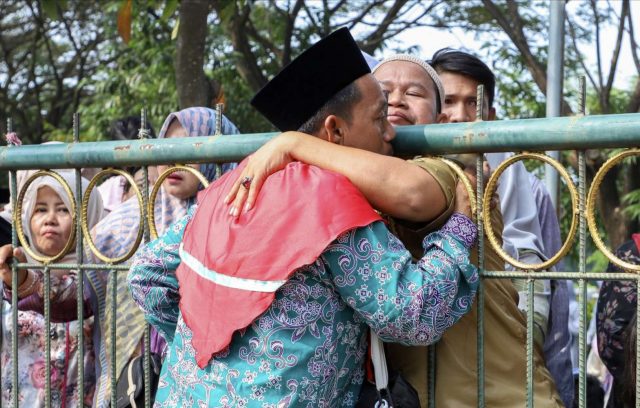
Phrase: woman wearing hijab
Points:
(117, 232)
(47, 223)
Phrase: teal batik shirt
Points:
(308, 349)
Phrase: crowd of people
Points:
(267, 288)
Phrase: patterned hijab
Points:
(201, 122)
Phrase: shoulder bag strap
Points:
(380, 372)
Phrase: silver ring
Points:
(246, 182)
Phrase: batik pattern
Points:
(308, 348)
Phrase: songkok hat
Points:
(371, 61)
(297, 92)
(430, 71)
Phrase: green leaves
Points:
(169, 9)
(53, 8)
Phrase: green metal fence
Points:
(578, 133)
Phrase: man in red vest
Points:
(272, 307)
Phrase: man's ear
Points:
(491, 115)
(333, 129)
(442, 118)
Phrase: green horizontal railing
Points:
(586, 132)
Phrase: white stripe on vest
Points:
(229, 281)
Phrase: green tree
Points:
(48, 53)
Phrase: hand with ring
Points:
(246, 182)
(270, 158)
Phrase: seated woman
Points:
(117, 232)
(47, 225)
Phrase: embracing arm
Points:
(402, 301)
(391, 185)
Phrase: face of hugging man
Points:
(366, 127)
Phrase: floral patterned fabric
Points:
(308, 348)
(616, 308)
(31, 354)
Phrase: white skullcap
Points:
(432, 72)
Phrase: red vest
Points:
(231, 267)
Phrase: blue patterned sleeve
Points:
(153, 282)
(406, 302)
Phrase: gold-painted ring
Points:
(17, 217)
(462, 175)
(85, 207)
(591, 208)
(156, 187)
(492, 185)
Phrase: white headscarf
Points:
(23, 175)
(94, 209)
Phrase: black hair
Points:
(128, 128)
(341, 104)
(460, 62)
(595, 393)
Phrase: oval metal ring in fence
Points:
(17, 217)
(467, 184)
(591, 208)
(486, 202)
(156, 187)
(85, 227)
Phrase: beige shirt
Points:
(456, 353)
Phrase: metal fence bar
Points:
(80, 272)
(589, 132)
(582, 342)
(637, 348)
(14, 281)
(143, 134)
(582, 180)
(14, 298)
(123, 267)
(113, 281)
(568, 275)
(480, 224)
(47, 339)
(563, 133)
(530, 326)
(561, 275)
